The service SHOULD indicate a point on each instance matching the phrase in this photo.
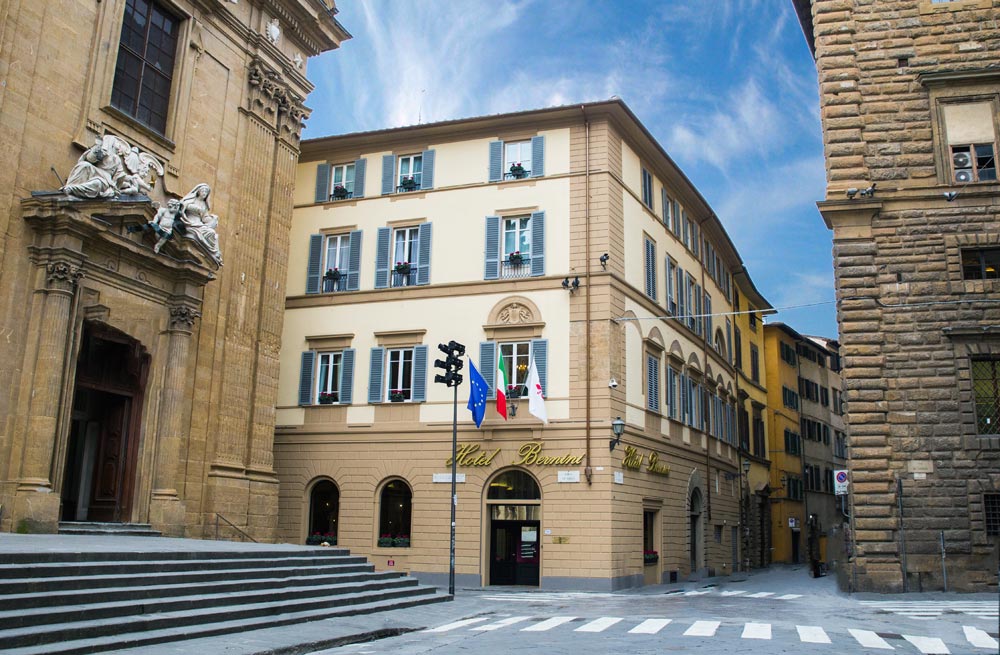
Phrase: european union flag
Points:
(478, 391)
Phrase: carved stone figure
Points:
(111, 167)
(163, 222)
(198, 222)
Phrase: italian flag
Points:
(501, 387)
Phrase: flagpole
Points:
(454, 492)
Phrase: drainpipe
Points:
(588, 470)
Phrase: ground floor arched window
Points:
(395, 508)
(324, 508)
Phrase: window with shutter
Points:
(650, 265)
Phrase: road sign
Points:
(840, 482)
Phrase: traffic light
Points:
(452, 364)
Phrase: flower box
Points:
(515, 258)
(396, 396)
(517, 171)
(328, 397)
(403, 268)
(385, 541)
(408, 184)
(339, 192)
(333, 274)
(401, 542)
(650, 557)
(318, 539)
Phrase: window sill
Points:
(145, 130)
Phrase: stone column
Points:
(167, 511)
(35, 503)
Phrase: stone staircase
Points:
(88, 602)
(108, 529)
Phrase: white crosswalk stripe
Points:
(548, 624)
(812, 634)
(733, 593)
(789, 597)
(926, 609)
(598, 625)
(698, 593)
(702, 629)
(650, 627)
(502, 623)
(761, 594)
(456, 625)
(756, 631)
(928, 645)
(869, 639)
(980, 638)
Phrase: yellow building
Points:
(750, 363)
(785, 441)
(139, 381)
(563, 236)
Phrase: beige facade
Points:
(141, 385)
(500, 245)
(910, 95)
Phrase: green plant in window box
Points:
(385, 541)
(328, 397)
(396, 396)
(403, 268)
(517, 171)
(515, 258)
(320, 538)
(402, 541)
(408, 184)
(339, 192)
(650, 557)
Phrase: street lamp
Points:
(618, 428)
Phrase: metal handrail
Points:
(232, 525)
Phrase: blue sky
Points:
(728, 87)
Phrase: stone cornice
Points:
(839, 213)
(965, 76)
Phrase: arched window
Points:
(514, 485)
(395, 504)
(324, 506)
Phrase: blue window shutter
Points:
(424, 253)
(427, 169)
(314, 271)
(664, 202)
(709, 336)
(354, 262)
(419, 393)
(670, 285)
(488, 364)
(375, 391)
(347, 377)
(652, 383)
(492, 271)
(537, 243)
(323, 182)
(388, 174)
(496, 161)
(383, 250)
(306, 377)
(540, 353)
(729, 340)
(650, 249)
(359, 177)
(537, 156)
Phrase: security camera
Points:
(613, 383)
(950, 195)
(851, 193)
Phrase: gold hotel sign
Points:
(529, 454)
(634, 460)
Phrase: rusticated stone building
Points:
(139, 384)
(910, 95)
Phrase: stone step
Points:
(138, 567)
(81, 592)
(137, 555)
(141, 621)
(135, 639)
(87, 584)
(112, 529)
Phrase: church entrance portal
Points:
(101, 456)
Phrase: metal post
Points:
(454, 492)
(902, 533)
(944, 569)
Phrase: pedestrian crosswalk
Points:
(550, 597)
(809, 634)
(931, 609)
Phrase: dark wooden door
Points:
(110, 496)
(515, 553)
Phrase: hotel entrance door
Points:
(514, 553)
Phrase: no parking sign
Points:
(840, 482)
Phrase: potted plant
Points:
(515, 258)
(403, 268)
(320, 538)
(650, 557)
(328, 397)
(385, 541)
(408, 183)
(513, 391)
(402, 541)
(339, 192)
(516, 170)
(396, 396)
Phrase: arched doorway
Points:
(513, 500)
(324, 510)
(696, 531)
(101, 455)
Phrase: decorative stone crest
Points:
(515, 313)
(183, 317)
(112, 167)
(273, 31)
(62, 275)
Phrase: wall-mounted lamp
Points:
(604, 260)
(784, 480)
(746, 467)
(618, 428)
